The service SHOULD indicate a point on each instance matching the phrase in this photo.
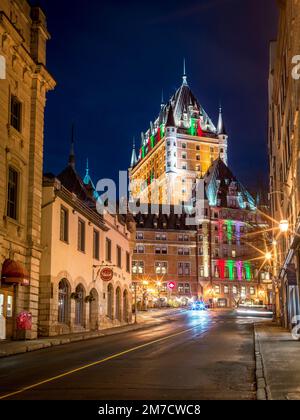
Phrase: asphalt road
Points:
(195, 356)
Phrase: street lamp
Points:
(268, 256)
(284, 226)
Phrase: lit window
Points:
(96, 245)
(15, 113)
(64, 224)
(12, 193)
(81, 235)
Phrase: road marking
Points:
(99, 362)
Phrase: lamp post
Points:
(135, 302)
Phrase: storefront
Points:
(13, 275)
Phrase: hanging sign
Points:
(106, 274)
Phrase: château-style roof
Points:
(221, 184)
(184, 112)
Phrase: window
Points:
(184, 166)
(140, 249)
(243, 291)
(161, 267)
(96, 246)
(233, 253)
(63, 302)
(252, 291)
(186, 238)
(15, 113)
(217, 290)
(180, 287)
(234, 290)
(226, 290)
(198, 147)
(12, 193)
(187, 288)
(9, 307)
(119, 256)
(184, 269)
(160, 237)
(183, 156)
(127, 262)
(64, 225)
(81, 235)
(79, 306)
(108, 250)
(198, 157)
(138, 267)
(183, 145)
(201, 271)
(139, 236)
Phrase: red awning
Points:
(13, 272)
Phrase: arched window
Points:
(79, 306)
(63, 302)
(110, 297)
(118, 304)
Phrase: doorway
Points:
(7, 312)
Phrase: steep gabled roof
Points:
(219, 179)
(73, 183)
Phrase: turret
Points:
(133, 156)
(171, 143)
(223, 138)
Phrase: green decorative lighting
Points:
(229, 224)
(247, 267)
(143, 152)
(193, 128)
(162, 130)
(152, 140)
(230, 266)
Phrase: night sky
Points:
(112, 59)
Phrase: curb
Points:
(56, 341)
(261, 393)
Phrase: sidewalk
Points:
(144, 320)
(278, 363)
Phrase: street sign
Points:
(171, 285)
(106, 274)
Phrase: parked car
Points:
(198, 306)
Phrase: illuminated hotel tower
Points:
(176, 150)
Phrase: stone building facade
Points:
(219, 256)
(23, 38)
(176, 150)
(284, 136)
(78, 243)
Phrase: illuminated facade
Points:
(176, 150)
(77, 243)
(215, 259)
(26, 81)
(284, 141)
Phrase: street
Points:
(194, 356)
